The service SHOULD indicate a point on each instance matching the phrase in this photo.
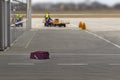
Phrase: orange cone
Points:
(80, 24)
(84, 26)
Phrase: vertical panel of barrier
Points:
(8, 22)
(1, 25)
(29, 11)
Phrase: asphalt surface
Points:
(93, 54)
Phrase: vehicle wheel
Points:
(59, 25)
(45, 24)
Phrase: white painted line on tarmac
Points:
(114, 64)
(30, 40)
(21, 64)
(72, 54)
(6, 49)
(74, 25)
(103, 39)
(72, 64)
(9, 54)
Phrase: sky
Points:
(108, 2)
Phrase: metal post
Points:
(29, 11)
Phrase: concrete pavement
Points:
(75, 54)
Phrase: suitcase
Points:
(39, 55)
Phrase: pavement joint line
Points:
(21, 64)
(72, 64)
(54, 28)
(103, 39)
(78, 14)
(34, 29)
(118, 46)
(30, 40)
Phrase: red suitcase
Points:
(39, 55)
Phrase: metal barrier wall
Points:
(18, 18)
(11, 26)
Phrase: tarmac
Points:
(75, 54)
